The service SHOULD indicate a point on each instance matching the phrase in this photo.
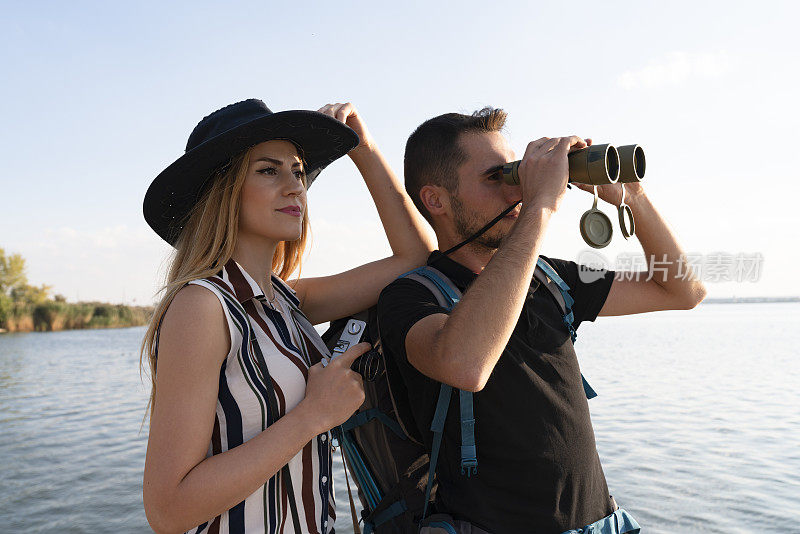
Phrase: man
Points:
(538, 467)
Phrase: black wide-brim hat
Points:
(224, 134)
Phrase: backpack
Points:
(380, 443)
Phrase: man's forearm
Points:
(664, 255)
(476, 333)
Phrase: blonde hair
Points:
(206, 244)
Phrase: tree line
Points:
(25, 307)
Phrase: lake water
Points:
(697, 423)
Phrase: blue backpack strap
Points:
(469, 457)
(399, 507)
(620, 522)
(360, 471)
(394, 510)
(362, 418)
(447, 527)
(587, 389)
(568, 316)
(437, 426)
(469, 454)
(442, 283)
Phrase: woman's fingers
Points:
(330, 109)
(349, 356)
(335, 109)
(339, 111)
(344, 111)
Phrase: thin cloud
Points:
(109, 237)
(676, 69)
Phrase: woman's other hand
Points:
(334, 392)
(348, 114)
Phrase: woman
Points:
(241, 406)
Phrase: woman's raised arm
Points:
(339, 295)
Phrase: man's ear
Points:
(435, 199)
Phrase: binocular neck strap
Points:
(483, 230)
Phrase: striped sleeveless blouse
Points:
(280, 336)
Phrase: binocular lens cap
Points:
(626, 222)
(596, 228)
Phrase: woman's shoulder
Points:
(195, 322)
(206, 298)
(213, 293)
(198, 299)
(198, 292)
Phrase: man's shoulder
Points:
(406, 290)
(401, 305)
(405, 301)
(399, 285)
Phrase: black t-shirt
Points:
(538, 467)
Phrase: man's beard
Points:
(467, 223)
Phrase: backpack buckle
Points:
(469, 461)
(469, 467)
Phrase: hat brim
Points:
(322, 138)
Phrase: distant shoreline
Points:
(57, 315)
(749, 300)
(27, 308)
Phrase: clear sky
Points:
(98, 97)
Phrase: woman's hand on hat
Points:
(348, 114)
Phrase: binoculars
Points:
(599, 165)
(596, 165)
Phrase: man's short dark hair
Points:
(434, 153)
